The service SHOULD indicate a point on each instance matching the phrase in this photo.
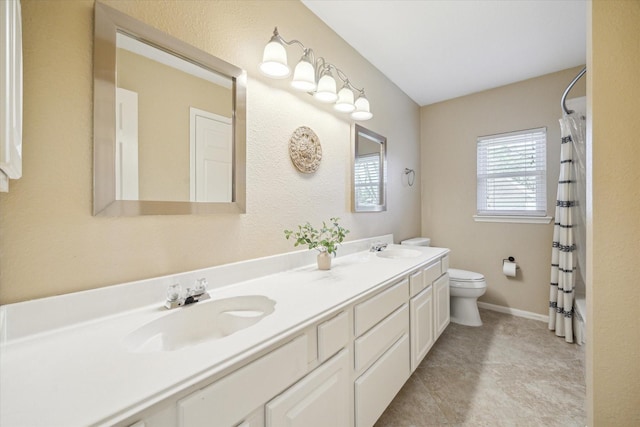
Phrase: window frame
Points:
(494, 178)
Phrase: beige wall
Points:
(165, 95)
(449, 133)
(613, 217)
(50, 244)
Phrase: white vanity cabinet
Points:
(392, 331)
(335, 352)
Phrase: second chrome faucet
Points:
(377, 247)
(176, 298)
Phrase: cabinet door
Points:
(422, 330)
(441, 288)
(320, 399)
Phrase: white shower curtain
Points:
(563, 257)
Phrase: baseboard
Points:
(514, 311)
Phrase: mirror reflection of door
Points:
(167, 87)
(211, 157)
(126, 144)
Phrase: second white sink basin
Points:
(398, 253)
(200, 322)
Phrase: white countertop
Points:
(82, 374)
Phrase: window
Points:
(367, 179)
(512, 174)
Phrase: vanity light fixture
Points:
(304, 75)
(315, 76)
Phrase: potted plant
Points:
(325, 240)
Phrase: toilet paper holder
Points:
(511, 259)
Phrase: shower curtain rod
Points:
(566, 92)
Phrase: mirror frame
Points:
(108, 22)
(357, 130)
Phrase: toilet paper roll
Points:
(509, 268)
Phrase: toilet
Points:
(465, 287)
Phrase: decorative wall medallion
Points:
(305, 150)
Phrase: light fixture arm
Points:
(345, 79)
(321, 66)
(278, 37)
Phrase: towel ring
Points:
(411, 176)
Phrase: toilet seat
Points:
(466, 279)
(464, 275)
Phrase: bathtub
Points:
(580, 319)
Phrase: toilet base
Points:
(464, 311)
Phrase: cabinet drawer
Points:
(228, 400)
(376, 388)
(332, 336)
(320, 399)
(416, 283)
(445, 264)
(432, 272)
(378, 307)
(382, 336)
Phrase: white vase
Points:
(324, 261)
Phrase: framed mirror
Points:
(369, 171)
(169, 124)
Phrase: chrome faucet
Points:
(377, 247)
(176, 298)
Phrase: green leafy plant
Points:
(326, 239)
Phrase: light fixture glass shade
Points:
(274, 60)
(345, 100)
(304, 76)
(326, 91)
(362, 111)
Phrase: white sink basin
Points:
(209, 320)
(398, 253)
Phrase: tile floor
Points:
(509, 372)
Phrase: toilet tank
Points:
(417, 241)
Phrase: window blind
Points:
(367, 180)
(512, 173)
